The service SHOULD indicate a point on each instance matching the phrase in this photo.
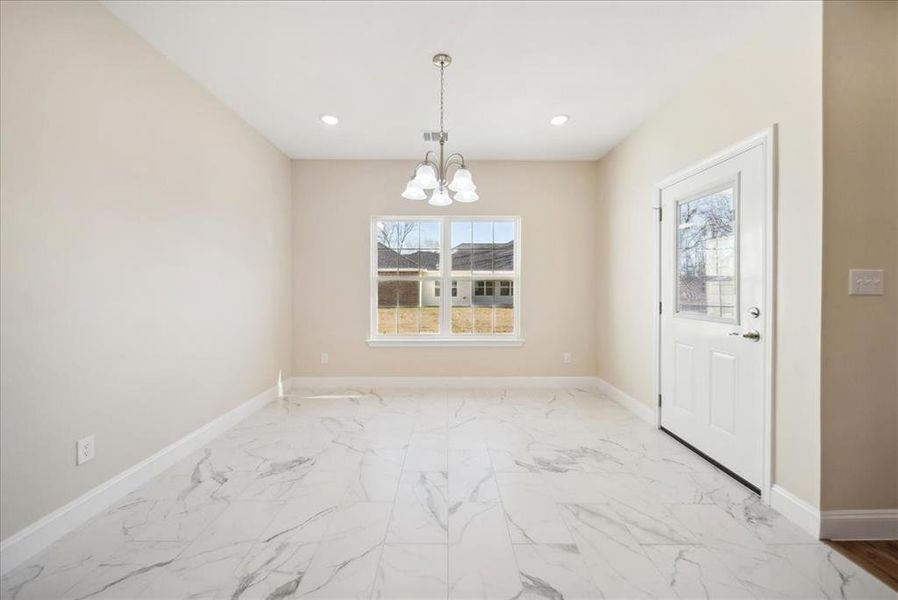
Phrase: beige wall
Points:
(145, 254)
(860, 229)
(148, 258)
(774, 78)
(333, 202)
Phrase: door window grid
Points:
(707, 255)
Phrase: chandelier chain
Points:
(442, 92)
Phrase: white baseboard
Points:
(442, 382)
(635, 406)
(796, 510)
(640, 409)
(859, 524)
(27, 542)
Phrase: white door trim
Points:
(767, 140)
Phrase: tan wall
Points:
(145, 254)
(333, 202)
(860, 229)
(774, 78)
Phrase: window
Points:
(483, 288)
(415, 258)
(706, 256)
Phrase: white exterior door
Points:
(713, 317)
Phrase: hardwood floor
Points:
(878, 558)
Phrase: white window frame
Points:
(446, 337)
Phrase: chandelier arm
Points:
(427, 161)
(454, 162)
(456, 155)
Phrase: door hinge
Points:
(660, 308)
(659, 399)
(660, 212)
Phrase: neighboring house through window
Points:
(415, 258)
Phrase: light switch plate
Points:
(865, 282)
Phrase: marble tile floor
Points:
(461, 494)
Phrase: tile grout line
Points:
(511, 544)
(448, 506)
(393, 507)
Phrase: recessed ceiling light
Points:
(559, 119)
(329, 119)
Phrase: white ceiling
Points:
(280, 65)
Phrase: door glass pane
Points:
(706, 256)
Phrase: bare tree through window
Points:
(706, 255)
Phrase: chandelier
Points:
(432, 173)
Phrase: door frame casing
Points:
(766, 139)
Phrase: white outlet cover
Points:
(866, 282)
(84, 450)
(566, 357)
(324, 358)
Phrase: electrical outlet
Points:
(566, 358)
(84, 450)
(865, 282)
(324, 358)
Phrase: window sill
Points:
(445, 342)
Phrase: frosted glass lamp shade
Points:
(426, 177)
(470, 196)
(440, 197)
(413, 191)
(462, 181)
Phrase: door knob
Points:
(752, 335)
